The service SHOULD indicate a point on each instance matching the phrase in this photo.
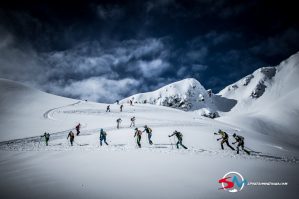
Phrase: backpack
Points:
(139, 132)
(241, 137)
(180, 134)
(150, 130)
(103, 134)
(224, 134)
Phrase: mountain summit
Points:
(187, 94)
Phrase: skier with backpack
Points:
(108, 108)
(149, 133)
(103, 136)
(131, 102)
(132, 121)
(47, 137)
(240, 140)
(121, 108)
(71, 135)
(224, 138)
(138, 134)
(78, 129)
(118, 121)
(179, 136)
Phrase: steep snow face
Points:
(268, 100)
(250, 88)
(187, 94)
(265, 86)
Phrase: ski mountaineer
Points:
(117, 102)
(240, 140)
(78, 129)
(121, 108)
(47, 137)
(132, 121)
(179, 136)
(108, 108)
(138, 133)
(71, 135)
(118, 121)
(224, 137)
(103, 136)
(149, 133)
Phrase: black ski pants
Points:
(226, 142)
(180, 142)
(139, 140)
(103, 139)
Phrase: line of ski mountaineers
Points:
(138, 134)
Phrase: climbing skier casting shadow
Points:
(118, 121)
(179, 136)
(240, 140)
(103, 136)
(224, 138)
(78, 129)
(149, 133)
(47, 137)
(132, 121)
(138, 134)
(71, 135)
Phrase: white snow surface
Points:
(29, 169)
(276, 111)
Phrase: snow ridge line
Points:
(48, 115)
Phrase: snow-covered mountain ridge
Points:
(241, 96)
(187, 94)
(264, 86)
(272, 108)
(254, 85)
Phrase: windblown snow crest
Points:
(187, 95)
(253, 85)
(256, 90)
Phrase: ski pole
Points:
(170, 143)
(77, 143)
(39, 142)
(174, 140)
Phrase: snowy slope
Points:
(273, 109)
(187, 94)
(249, 88)
(120, 170)
(22, 109)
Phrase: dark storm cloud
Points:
(107, 50)
(120, 69)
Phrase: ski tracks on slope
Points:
(35, 144)
(50, 113)
(59, 142)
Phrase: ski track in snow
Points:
(58, 140)
(49, 114)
